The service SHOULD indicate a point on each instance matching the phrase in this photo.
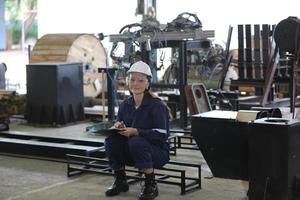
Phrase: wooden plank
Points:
(50, 47)
(269, 78)
(62, 52)
(265, 47)
(257, 58)
(249, 67)
(241, 61)
(47, 58)
(7, 92)
(61, 39)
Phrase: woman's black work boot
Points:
(149, 190)
(120, 184)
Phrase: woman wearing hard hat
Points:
(143, 121)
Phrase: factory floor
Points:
(34, 179)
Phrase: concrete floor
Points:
(31, 179)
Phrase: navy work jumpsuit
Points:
(150, 148)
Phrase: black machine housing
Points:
(54, 93)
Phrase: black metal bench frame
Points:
(173, 173)
(182, 139)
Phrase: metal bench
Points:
(173, 173)
(182, 139)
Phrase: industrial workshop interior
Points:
(149, 99)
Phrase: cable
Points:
(229, 103)
(183, 22)
(133, 34)
(213, 71)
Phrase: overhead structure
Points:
(84, 48)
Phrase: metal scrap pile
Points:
(10, 104)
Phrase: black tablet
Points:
(110, 132)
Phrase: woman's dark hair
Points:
(148, 92)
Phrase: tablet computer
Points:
(110, 132)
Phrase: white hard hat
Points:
(140, 67)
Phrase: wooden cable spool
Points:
(84, 48)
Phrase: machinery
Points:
(287, 39)
(10, 104)
(3, 69)
(223, 138)
(84, 48)
(141, 42)
(54, 93)
(273, 159)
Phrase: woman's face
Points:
(138, 83)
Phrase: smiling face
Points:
(138, 83)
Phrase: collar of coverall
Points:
(145, 101)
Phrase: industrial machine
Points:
(274, 159)
(10, 104)
(141, 42)
(54, 93)
(223, 139)
(223, 143)
(84, 48)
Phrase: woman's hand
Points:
(128, 132)
(119, 124)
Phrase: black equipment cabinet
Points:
(274, 159)
(54, 93)
(223, 143)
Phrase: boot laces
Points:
(147, 186)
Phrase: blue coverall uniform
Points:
(148, 149)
